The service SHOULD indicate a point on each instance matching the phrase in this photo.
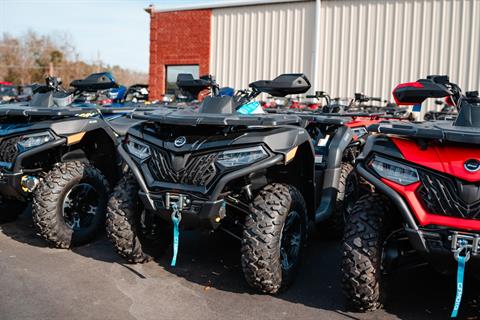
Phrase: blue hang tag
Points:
(176, 235)
(253, 107)
(417, 108)
(460, 276)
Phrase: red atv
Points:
(427, 195)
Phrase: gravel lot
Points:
(92, 282)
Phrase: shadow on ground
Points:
(213, 261)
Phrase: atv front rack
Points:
(26, 111)
(325, 119)
(439, 130)
(192, 118)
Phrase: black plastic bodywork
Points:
(99, 131)
(95, 82)
(207, 133)
(285, 84)
(329, 158)
(205, 136)
(438, 130)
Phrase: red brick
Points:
(181, 37)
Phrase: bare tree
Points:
(31, 57)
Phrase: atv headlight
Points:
(394, 171)
(34, 140)
(240, 157)
(137, 148)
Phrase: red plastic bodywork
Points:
(447, 159)
(404, 85)
(362, 122)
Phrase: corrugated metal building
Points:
(344, 46)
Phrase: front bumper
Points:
(438, 248)
(10, 179)
(436, 243)
(205, 209)
(10, 185)
(197, 213)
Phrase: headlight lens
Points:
(34, 140)
(394, 171)
(240, 157)
(137, 148)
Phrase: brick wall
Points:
(177, 38)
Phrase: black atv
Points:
(62, 159)
(338, 138)
(214, 168)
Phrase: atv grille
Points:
(448, 196)
(196, 170)
(8, 149)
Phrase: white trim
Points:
(219, 4)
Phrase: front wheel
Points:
(363, 252)
(69, 205)
(137, 235)
(273, 238)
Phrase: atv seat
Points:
(122, 124)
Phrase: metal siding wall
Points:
(372, 45)
(368, 45)
(260, 42)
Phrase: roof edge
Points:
(217, 4)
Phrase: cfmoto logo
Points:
(180, 141)
(472, 165)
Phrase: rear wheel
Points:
(10, 209)
(138, 235)
(273, 238)
(69, 206)
(363, 252)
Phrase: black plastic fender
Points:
(138, 175)
(75, 155)
(29, 153)
(390, 193)
(340, 141)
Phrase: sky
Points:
(116, 31)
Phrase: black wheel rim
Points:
(80, 206)
(291, 240)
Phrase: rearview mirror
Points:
(413, 93)
(285, 84)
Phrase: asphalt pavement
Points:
(92, 282)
